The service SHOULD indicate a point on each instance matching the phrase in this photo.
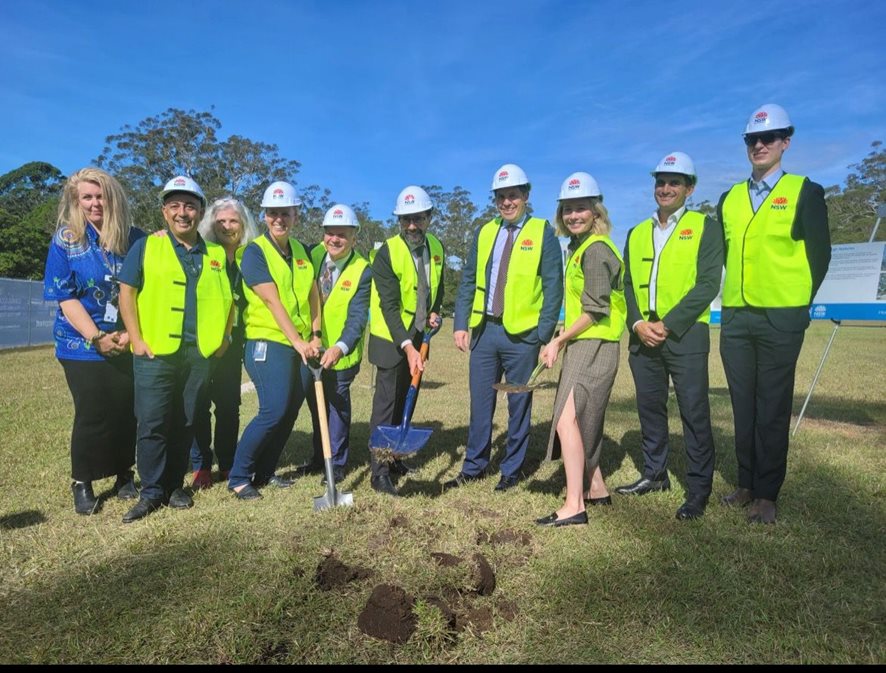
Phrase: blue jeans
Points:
(168, 391)
(280, 381)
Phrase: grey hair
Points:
(247, 222)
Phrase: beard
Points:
(414, 238)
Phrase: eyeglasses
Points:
(418, 219)
(673, 182)
(765, 138)
(175, 206)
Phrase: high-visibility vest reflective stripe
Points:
(161, 301)
(523, 294)
(404, 269)
(335, 310)
(765, 267)
(677, 264)
(609, 328)
(294, 287)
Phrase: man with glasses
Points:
(673, 262)
(406, 298)
(510, 297)
(777, 251)
(176, 303)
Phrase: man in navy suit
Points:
(510, 296)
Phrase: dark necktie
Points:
(498, 298)
(421, 306)
(326, 280)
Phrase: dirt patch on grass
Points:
(332, 573)
(501, 537)
(484, 576)
(388, 614)
(446, 560)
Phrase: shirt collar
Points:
(673, 218)
(518, 224)
(199, 244)
(767, 182)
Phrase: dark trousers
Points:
(224, 393)
(496, 352)
(760, 362)
(652, 368)
(388, 402)
(103, 436)
(337, 392)
(168, 391)
(280, 381)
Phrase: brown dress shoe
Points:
(738, 498)
(761, 511)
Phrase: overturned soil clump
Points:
(388, 614)
(332, 573)
(446, 560)
(484, 576)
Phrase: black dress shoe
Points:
(125, 486)
(313, 467)
(693, 508)
(141, 509)
(279, 482)
(644, 486)
(506, 482)
(85, 501)
(338, 474)
(248, 492)
(461, 479)
(596, 502)
(383, 484)
(180, 499)
(401, 468)
(552, 520)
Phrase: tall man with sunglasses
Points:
(777, 251)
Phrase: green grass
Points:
(233, 582)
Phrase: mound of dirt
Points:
(484, 576)
(388, 614)
(446, 560)
(332, 573)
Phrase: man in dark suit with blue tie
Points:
(673, 263)
(510, 297)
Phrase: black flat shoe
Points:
(141, 509)
(552, 520)
(85, 501)
(461, 479)
(595, 502)
(248, 492)
(644, 486)
(125, 488)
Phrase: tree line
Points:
(188, 142)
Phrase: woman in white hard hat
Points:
(85, 257)
(230, 224)
(595, 320)
(282, 320)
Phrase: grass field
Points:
(234, 582)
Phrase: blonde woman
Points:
(93, 235)
(595, 320)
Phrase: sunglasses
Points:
(765, 138)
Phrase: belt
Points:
(493, 319)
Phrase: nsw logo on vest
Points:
(215, 265)
(686, 234)
(302, 265)
(345, 285)
(526, 245)
(436, 259)
(780, 203)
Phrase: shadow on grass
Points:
(30, 517)
(841, 410)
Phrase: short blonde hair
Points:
(116, 220)
(602, 226)
(248, 227)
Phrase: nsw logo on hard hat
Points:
(575, 183)
(338, 212)
(780, 203)
(761, 117)
(278, 193)
(179, 182)
(502, 176)
(409, 199)
(670, 161)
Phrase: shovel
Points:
(333, 496)
(391, 442)
(524, 387)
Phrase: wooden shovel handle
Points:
(423, 351)
(324, 421)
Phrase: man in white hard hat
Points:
(177, 305)
(510, 296)
(673, 262)
(777, 252)
(344, 280)
(407, 293)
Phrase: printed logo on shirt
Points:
(780, 203)
(215, 265)
(685, 235)
(526, 245)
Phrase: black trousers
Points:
(103, 436)
(760, 362)
(652, 368)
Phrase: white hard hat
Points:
(280, 194)
(341, 215)
(411, 200)
(509, 175)
(182, 183)
(579, 185)
(676, 162)
(769, 117)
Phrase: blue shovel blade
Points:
(393, 438)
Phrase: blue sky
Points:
(371, 96)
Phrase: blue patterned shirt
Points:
(86, 272)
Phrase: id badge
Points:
(260, 353)
(110, 313)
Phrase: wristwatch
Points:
(317, 333)
(95, 337)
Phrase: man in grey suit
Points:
(673, 263)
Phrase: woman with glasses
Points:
(282, 319)
(230, 224)
(594, 322)
(93, 235)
